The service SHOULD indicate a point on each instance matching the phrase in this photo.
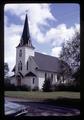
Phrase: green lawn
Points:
(43, 95)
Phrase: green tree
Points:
(47, 85)
(6, 69)
(71, 52)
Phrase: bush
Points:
(59, 87)
(10, 87)
(24, 88)
(35, 88)
(47, 87)
(66, 87)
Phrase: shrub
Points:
(47, 87)
(10, 87)
(66, 87)
(59, 87)
(23, 88)
(35, 88)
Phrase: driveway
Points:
(41, 109)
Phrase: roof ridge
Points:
(48, 55)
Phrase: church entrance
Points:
(18, 80)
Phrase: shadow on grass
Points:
(68, 102)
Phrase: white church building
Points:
(32, 68)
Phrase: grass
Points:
(38, 95)
(58, 98)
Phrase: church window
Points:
(27, 65)
(20, 53)
(20, 66)
(45, 75)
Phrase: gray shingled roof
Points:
(47, 63)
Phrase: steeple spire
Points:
(25, 39)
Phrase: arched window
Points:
(27, 65)
(20, 53)
(19, 66)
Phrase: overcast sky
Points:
(50, 25)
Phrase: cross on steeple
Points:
(25, 39)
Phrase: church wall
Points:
(26, 81)
(32, 65)
(41, 78)
(35, 82)
(54, 78)
(26, 52)
(29, 81)
(22, 59)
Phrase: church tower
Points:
(24, 50)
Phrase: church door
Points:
(19, 81)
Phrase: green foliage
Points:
(6, 68)
(9, 87)
(76, 75)
(47, 87)
(23, 88)
(71, 52)
(35, 88)
(7, 80)
(12, 87)
(66, 87)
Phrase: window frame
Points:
(20, 53)
(45, 76)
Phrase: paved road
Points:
(41, 109)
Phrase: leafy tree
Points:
(47, 85)
(66, 70)
(71, 52)
(6, 69)
(76, 75)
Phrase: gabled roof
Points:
(12, 76)
(30, 74)
(20, 74)
(47, 63)
(13, 69)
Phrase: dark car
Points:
(15, 109)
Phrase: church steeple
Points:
(25, 38)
